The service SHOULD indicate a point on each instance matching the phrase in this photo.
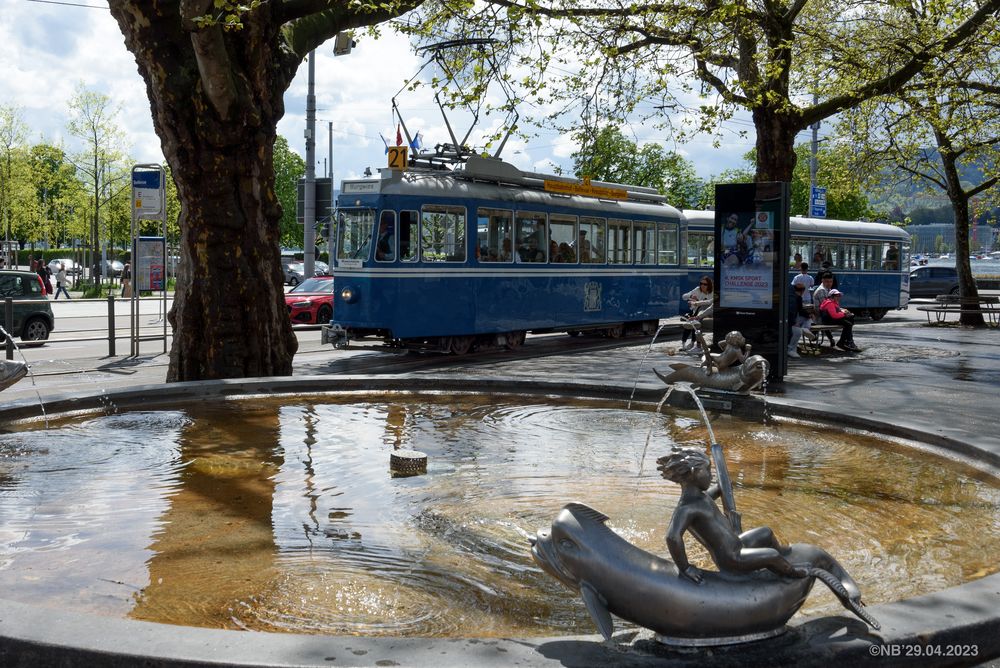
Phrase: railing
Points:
(122, 322)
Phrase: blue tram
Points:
(481, 254)
(870, 260)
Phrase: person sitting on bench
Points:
(832, 314)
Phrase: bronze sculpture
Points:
(734, 369)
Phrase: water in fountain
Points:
(31, 374)
(281, 514)
(635, 383)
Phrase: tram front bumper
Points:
(336, 335)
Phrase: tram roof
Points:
(818, 227)
(486, 179)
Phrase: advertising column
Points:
(751, 268)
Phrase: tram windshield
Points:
(355, 233)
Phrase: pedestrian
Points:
(700, 300)
(46, 276)
(127, 280)
(61, 281)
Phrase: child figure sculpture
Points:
(749, 551)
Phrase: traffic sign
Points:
(817, 202)
(147, 195)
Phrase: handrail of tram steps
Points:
(112, 330)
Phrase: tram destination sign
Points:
(584, 189)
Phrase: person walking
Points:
(46, 276)
(127, 281)
(61, 281)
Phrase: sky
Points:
(48, 48)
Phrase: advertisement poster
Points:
(748, 256)
(149, 269)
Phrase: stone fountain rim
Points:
(967, 615)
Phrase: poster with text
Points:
(746, 271)
(149, 264)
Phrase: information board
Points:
(751, 250)
(149, 268)
(147, 193)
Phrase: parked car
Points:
(311, 301)
(933, 280)
(72, 268)
(110, 268)
(33, 319)
(295, 271)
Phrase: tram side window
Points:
(355, 233)
(644, 242)
(590, 240)
(701, 249)
(530, 243)
(872, 256)
(562, 238)
(666, 243)
(800, 253)
(891, 257)
(494, 235)
(385, 240)
(619, 232)
(442, 233)
(409, 222)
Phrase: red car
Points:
(311, 301)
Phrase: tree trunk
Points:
(229, 316)
(776, 134)
(971, 314)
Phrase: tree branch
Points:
(306, 27)
(895, 80)
(212, 57)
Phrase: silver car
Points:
(295, 271)
(72, 268)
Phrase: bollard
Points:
(8, 319)
(111, 324)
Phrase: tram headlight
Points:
(350, 294)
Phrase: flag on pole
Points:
(399, 136)
(384, 141)
(417, 142)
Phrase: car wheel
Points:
(954, 290)
(324, 314)
(293, 281)
(35, 329)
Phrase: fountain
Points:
(288, 485)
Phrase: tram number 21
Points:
(397, 157)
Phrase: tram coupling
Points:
(336, 335)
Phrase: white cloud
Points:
(46, 49)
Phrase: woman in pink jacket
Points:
(831, 314)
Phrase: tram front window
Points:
(355, 234)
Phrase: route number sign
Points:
(398, 157)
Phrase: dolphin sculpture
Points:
(740, 378)
(11, 372)
(615, 577)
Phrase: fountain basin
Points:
(229, 645)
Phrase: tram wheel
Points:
(615, 332)
(877, 314)
(514, 340)
(460, 345)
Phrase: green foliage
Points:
(289, 167)
(608, 155)
(228, 15)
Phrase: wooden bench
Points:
(815, 346)
(988, 306)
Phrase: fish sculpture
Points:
(11, 372)
(617, 578)
(741, 378)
